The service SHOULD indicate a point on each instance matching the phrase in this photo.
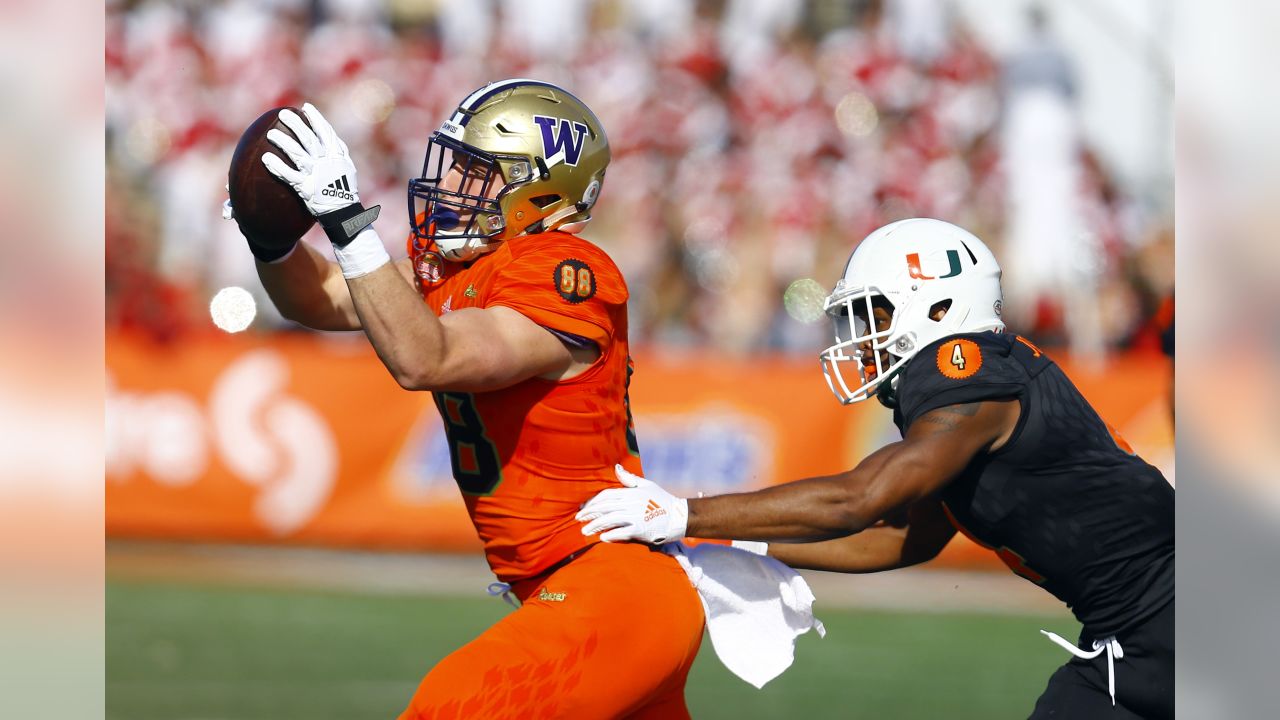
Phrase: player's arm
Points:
(887, 545)
(309, 289)
(468, 350)
(938, 446)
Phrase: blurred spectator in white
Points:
(551, 31)
(466, 28)
(1051, 262)
(922, 28)
(752, 29)
(659, 21)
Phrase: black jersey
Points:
(1064, 503)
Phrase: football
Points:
(265, 205)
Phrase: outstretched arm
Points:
(468, 350)
(309, 289)
(884, 546)
(938, 447)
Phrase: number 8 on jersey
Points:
(575, 281)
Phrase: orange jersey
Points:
(526, 457)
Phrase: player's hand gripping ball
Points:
(270, 214)
(320, 170)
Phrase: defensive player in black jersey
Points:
(997, 444)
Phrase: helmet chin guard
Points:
(916, 267)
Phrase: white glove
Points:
(639, 511)
(325, 177)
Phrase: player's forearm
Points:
(910, 539)
(801, 511)
(875, 549)
(406, 335)
(308, 289)
(815, 509)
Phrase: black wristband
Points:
(265, 252)
(344, 224)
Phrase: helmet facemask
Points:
(853, 319)
(462, 222)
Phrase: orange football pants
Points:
(612, 634)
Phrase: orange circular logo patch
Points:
(959, 359)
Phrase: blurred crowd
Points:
(754, 143)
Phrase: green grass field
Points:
(183, 651)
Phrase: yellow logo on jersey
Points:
(551, 596)
(470, 291)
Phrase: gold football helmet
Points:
(517, 156)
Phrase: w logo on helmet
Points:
(561, 139)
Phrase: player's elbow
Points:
(443, 371)
(409, 379)
(294, 312)
(874, 492)
(415, 371)
(853, 513)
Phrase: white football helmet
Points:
(916, 266)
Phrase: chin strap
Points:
(553, 221)
(467, 252)
(472, 251)
(887, 391)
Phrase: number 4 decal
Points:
(959, 358)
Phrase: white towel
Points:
(756, 607)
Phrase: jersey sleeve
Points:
(960, 369)
(566, 285)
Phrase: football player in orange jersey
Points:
(519, 329)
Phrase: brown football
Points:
(265, 205)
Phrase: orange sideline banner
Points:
(307, 439)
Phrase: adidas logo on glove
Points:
(339, 189)
(653, 510)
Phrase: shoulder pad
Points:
(573, 268)
(960, 369)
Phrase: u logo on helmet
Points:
(913, 266)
